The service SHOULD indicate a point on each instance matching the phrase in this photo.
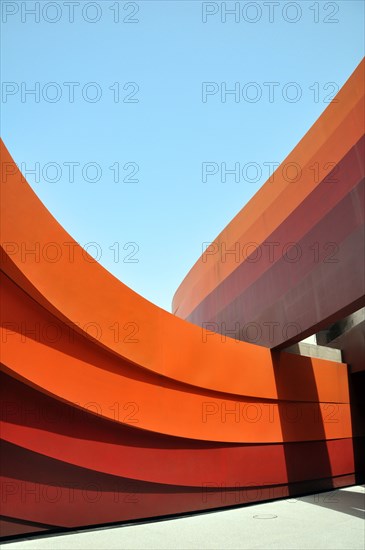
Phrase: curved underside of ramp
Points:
(292, 261)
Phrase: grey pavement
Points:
(332, 520)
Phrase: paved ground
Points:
(326, 521)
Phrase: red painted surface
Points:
(266, 280)
(68, 496)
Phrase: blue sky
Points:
(134, 102)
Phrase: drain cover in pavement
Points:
(265, 516)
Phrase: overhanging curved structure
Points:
(115, 410)
(292, 260)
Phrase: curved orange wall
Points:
(167, 420)
(298, 254)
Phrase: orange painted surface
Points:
(39, 423)
(171, 407)
(81, 291)
(70, 373)
(339, 127)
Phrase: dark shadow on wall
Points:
(357, 393)
(291, 416)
